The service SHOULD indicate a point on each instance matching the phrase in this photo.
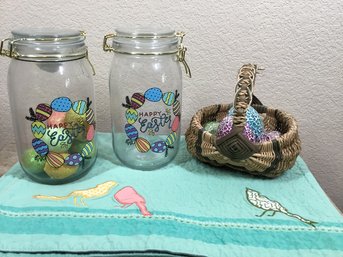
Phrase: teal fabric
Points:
(196, 210)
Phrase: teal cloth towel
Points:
(184, 209)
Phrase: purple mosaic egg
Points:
(159, 147)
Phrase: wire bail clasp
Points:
(106, 47)
(181, 53)
(6, 52)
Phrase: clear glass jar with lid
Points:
(51, 94)
(146, 92)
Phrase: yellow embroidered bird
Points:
(94, 192)
(264, 203)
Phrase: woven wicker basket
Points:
(269, 158)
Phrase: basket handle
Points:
(234, 145)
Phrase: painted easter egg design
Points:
(169, 98)
(87, 149)
(55, 160)
(90, 116)
(131, 115)
(153, 94)
(40, 147)
(171, 139)
(80, 107)
(176, 108)
(73, 159)
(131, 132)
(142, 145)
(90, 133)
(43, 112)
(159, 147)
(61, 104)
(175, 124)
(137, 100)
(38, 129)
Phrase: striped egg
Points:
(55, 160)
(131, 132)
(43, 112)
(61, 104)
(169, 98)
(87, 149)
(175, 124)
(176, 108)
(40, 147)
(38, 129)
(131, 115)
(171, 139)
(159, 147)
(142, 145)
(137, 100)
(90, 133)
(80, 107)
(153, 94)
(90, 116)
(73, 159)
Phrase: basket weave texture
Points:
(273, 157)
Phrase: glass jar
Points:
(145, 93)
(51, 96)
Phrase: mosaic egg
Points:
(142, 145)
(171, 139)
(169, 98)
(38, 129)
(73, 159)
(137, 100)
(43, 112)
(254, 121)
(61, 104)
(131, 131)
(176, 108)
(225, 127)
(269, 136)
(159, 147)
(87, 149)
(56, 119)
(40, 147)
(55, 160)
(131, 115)
(90, 116)
(175, 124)
(153, 94)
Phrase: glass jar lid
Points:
(45, 44)
(145, 41)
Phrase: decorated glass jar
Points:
(146, 91)
(52, 103)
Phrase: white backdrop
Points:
(299, 43)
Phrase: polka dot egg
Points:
(153, 94)
(159, 147)
(73, 159)
(61, 104)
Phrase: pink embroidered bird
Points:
(128, 196)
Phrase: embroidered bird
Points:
(94, 192)
(264, 203)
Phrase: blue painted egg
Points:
(73, 159)
(171, 139)
(80, 107)
(153, 94)
(61, 104)
(131, 131)
(159, 147)
(169, 98)
(40, 147)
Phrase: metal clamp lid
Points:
(180, 51)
